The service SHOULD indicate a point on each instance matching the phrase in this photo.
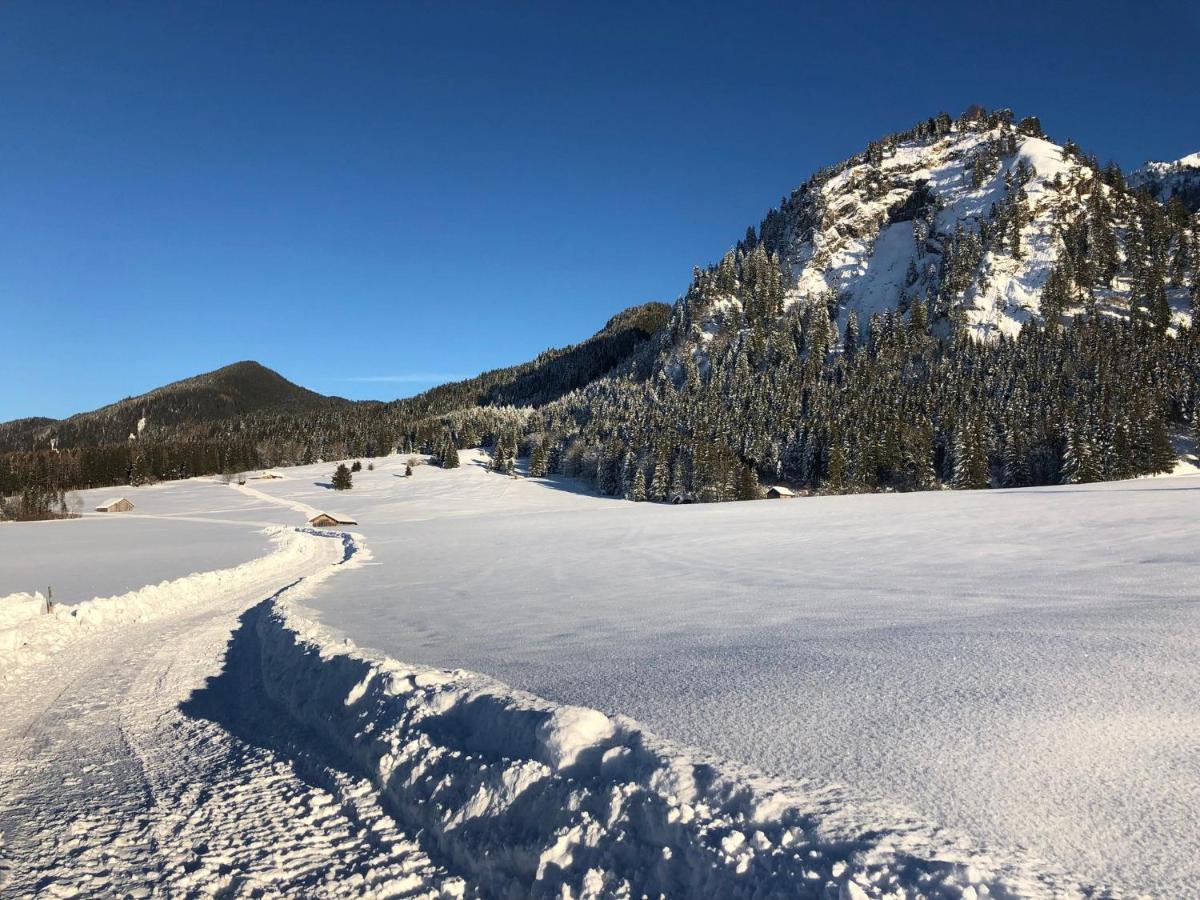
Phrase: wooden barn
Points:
(330, 520)
(779, 492)
(115, 504)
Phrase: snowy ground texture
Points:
(955, 695)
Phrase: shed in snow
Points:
(779, 492)
(326, 520)
(116, 504)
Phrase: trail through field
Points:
(117, 780)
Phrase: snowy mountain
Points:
(963, 304)
(970, 217)
(1172, 179)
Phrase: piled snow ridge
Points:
(525, 797)
(31, 630)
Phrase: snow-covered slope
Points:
(970, 217)
(1017, 665)
(866, 257)
(1165, 180)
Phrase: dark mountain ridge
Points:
(221, 401)
(231, 391)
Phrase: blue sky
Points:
(372, 197)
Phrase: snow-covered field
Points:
(924, 694)
(99, 556)
(1021, 665)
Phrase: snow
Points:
(1191, 161)
(512, 687)
(529, 797)
(31, 630)
(861, 257)
(881, 278)
(1020, 665)
(154, 765)
(107, 554)
(1167, 178)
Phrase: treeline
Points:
(551, 375)
(903, 411)
(168, 414)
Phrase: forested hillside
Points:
(964, 304)
(165, 413)
(246, 416)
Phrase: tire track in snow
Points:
(110, 785)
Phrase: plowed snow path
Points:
(144, 761)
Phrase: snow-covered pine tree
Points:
(637, 491)
(342, 480)
(660, 482)
(538, 461)
(970, 458)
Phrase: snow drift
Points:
(523, 796)
(31, 629)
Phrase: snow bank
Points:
(526, 797)
(29, 631)
(16, 610)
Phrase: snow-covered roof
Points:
(780, 489)
(115, 504)
(340, 518)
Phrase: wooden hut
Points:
(779, 492)
(330, 520)
(115, 504)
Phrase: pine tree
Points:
(608, 480)
(1055, 297)
(660, 483)
(747, 486)
(1162, 451)
(628, 471)
(678, 478)
(342, 479)
(537, 461)
(1015, 462)
(503, 460)
(852, 335)
(1196, 432)
(1079, 463)
(835, 478)
(637, 491)
(1017, 223)
(918, 319)
(970, 460)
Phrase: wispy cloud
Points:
(406, 378)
